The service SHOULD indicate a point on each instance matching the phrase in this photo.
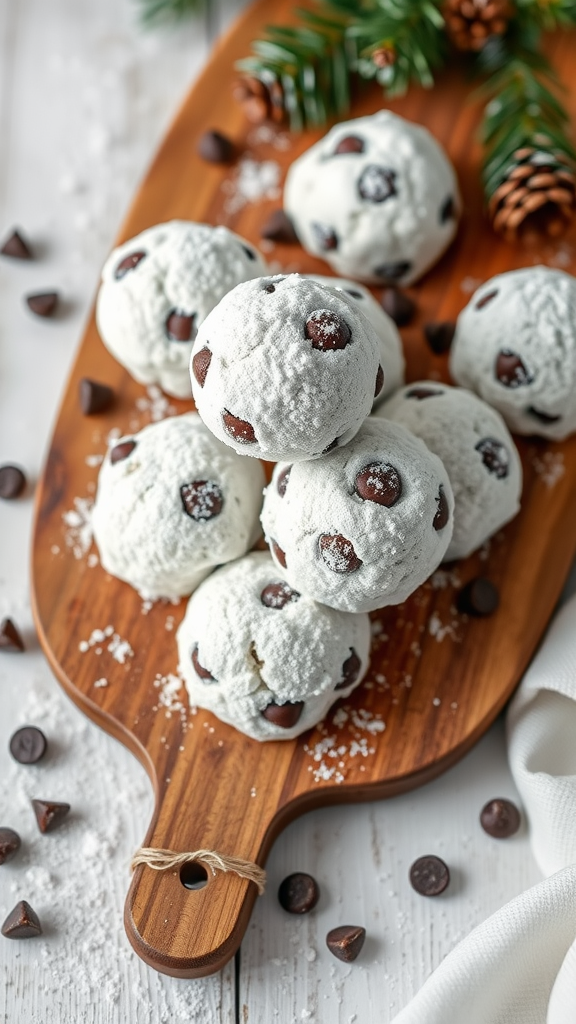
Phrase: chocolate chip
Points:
(9, 844)
(298, 893)
(350, 671)
(544, 417)
(354, 294)
(439, 336)
(282, 480)
(17, 247)
(199, 669)
(249, 252)
(202, 499)
(128, 263)
(21, 923)
(500, 818)
(94, 397)
(350, 144)
(10, 639)
(494, 456)
(285, 716)
(479, 597)
(376, 184)
(28, 745)
(200, 363)
(429, 875)
(180, 325)
(327, 330)
(346, 941)
(216, 148)
(269, 288)
(510, 370)
(12, 482)
(278, 595)
(42, 303)
(379, 381)
(442, 512)
(393, 271)
(49, 814)
(240, 430)
(278, 553)
(423, 392)
(338, 553)
(326, 237)
(379, 482)
(121, 451)
(447, 210)
(279, 228)
(398, 305)
(485, 299)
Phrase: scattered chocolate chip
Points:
(278, 595)
(439, 336)
(327, 330)
(21, 923)
(479, 597)
(121, 451)
(128, 263)
(350, 671)
(216, 148)
(442, 512)
(330, 447)
(338, 553)
(393, 271)
(500, 818)
(376, 184)
(485, 299)
(200, 363)
(379, 482)
(325, 236)
(544, 417)
(42, 303)
(180, 326)
(49, 814)
(28, 745)
(94, 397)
(398, 305)
(269, 288)
(10, 639)
(379, 381)
(429, 875)
(279, 228)
(202, 499)
(9, 844)
(199, 669)
(12, 482)
(494, 456)
(354, 294)
(17, 247)
(510, 370)
(447, 210)
(282, 480)
(423, 392)
(350, 144)
(278, 553)
(346, 941)
(249, 252)
(285, 716)
(298, 893)
(240, 430)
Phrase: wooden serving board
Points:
(437, 679)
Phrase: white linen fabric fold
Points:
(519, 966)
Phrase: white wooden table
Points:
(85, 96)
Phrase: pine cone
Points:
(537, 197)
(471, 23)
(260, 102)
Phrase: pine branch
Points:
(155, 11)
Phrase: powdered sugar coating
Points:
(529, 314)
(477, 450)
(257, 655)
(293, 397)
(391, 352)
(349, 552)
(144, 533)
(393, 205)
(187, 268)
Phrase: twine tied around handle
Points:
(165, 860)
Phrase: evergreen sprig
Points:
(155, 11)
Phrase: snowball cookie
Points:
(173, 502)
(479, 455)
(364, 526)
(515, 344)
(156, 290)
(265, 658)
(377, 198)
(285, 368)
(391, 351)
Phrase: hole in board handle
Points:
(193, 875)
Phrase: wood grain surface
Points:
(437, 679)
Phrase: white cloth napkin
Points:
(519, 966)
